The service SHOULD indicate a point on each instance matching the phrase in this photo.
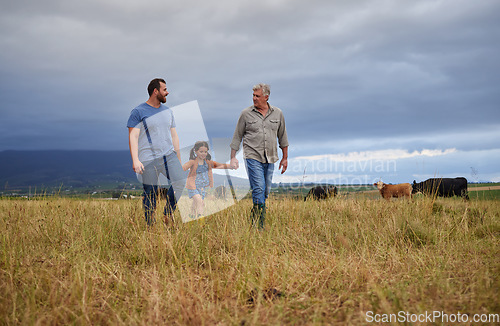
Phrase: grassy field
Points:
(94, 262)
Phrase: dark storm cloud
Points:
(349, 75)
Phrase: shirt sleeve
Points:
(134, 120)
(282, 136)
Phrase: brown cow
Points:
(389, 191)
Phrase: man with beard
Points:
(154, 147)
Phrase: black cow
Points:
(220, 192)
(444, 187)
(322, 192)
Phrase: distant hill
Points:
(20, 170)
(78, 169)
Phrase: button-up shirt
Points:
(259, 134)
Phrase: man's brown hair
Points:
(155, 84)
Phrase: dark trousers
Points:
(174, 179)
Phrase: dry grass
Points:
(94, 262)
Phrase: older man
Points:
(259, 126)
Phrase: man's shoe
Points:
(258, 215)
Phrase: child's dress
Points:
(200, 176)
(202, 181)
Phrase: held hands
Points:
(234, 164)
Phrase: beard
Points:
(161, 98)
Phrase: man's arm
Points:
(235, 143)
(283, 142)
(234, 164)
(284, 160)
(175, 141)
(133, 143)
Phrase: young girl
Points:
(200, 175)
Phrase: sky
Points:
(371, 89)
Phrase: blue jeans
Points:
(170, 167)
(260, 176)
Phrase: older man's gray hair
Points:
(266, 89)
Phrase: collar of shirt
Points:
(269, 111)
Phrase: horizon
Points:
(50, 164)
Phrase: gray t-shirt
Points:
(155, 139)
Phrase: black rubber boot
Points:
(258, 215)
